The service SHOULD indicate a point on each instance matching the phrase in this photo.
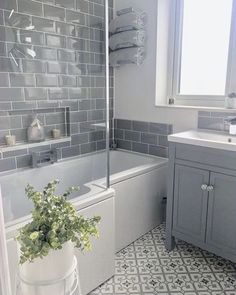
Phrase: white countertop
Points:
(204, 138)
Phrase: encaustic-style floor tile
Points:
(146, 268)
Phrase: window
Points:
(204, 37)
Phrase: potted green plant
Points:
(46, 244)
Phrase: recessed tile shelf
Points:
(28, 145)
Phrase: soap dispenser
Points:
(232, 127)
(35, 131)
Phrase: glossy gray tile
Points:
(42, 24)
(119, 134)
(124, 124)
(96, 136)
(211, 123)
(7, 164)
(11, 94)
(55, 41)
(35, 93)
(82, 6)
(75, 17)
(65, 29)
(24, 161)
(71, 151)
(140, 147)
(66, 55)
(57, 118)
(46, 80)
(79, 139)
(4, 80)
(88, 148)
(30, 7)
(56, 61)
(24, 105)
(33, 66)
(2, 49)
(15, 153)
(136, 135)
(79, 116)
(58, 93)
(158, 128)
(54, 13)
(132, 135)
(140, 126)
(124, 144)
(149, 138)
(8, 65)
(56, 68)
(45, 53)
(22, 80)
(71, 4)
(67, 81)
(158, 151)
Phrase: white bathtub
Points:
(87, 172)
(139, 182)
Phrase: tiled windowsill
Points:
(29, 145)
(198, 108)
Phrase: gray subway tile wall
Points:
(142, 137)
(214, 120)
(52, 57)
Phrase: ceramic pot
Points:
(52, 268)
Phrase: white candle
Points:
(10, 140)
(56, 133)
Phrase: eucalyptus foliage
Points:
(55, 221)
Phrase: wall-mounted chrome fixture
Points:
(44, 158)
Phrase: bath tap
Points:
(41, 158)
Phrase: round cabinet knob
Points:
(210, 188)
(204, 187)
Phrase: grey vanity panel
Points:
(221, 223)
(207, 156)
(190, 202)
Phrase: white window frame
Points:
(176, 24)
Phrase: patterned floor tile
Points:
(147, 268)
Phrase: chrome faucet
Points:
(231, 122)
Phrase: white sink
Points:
(217, 140)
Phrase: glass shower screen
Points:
(54, 103)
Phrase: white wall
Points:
(135, 87)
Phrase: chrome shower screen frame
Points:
(107, 86)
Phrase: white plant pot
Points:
(52, 268)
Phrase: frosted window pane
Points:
(205, 45)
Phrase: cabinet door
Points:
(190, 202)
(221, 224)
